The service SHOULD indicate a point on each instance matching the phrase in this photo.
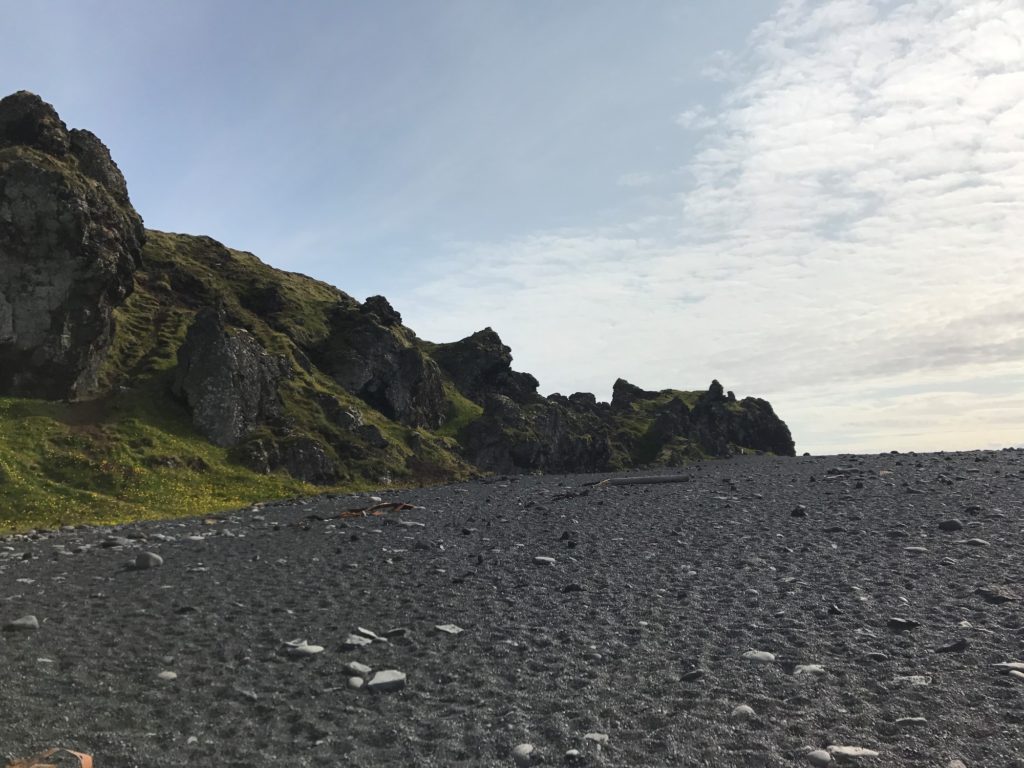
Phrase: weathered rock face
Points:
(228, 380)
(718, 421)
(545, 436)
(301, 456)
(380, 310)
(70, 242)
(480, 365)
(369, 355)
(625, 394)
(638, 428)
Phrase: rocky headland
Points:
(147, 373)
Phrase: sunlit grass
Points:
(67, 464)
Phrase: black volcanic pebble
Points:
(901, 625)
(665, 555)
(951, 525)
(958, 646)
(799, 511)
(995, 596)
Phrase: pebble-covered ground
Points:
(768, 612)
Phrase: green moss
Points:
(134, 453)
(461, 412)
(107, 462)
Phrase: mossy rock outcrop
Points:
(148, 373)
(70, 243)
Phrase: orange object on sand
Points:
(42, 760)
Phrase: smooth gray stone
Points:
(146, 560)
(357, 669)
(522, 755)
(387, 681)
(23, 624)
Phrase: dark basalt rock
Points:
(481, 364)
(70, 243)
(301, 456)
(718, 424)
(28, 121)
(228, 380)
(625, 394)
(380, 309)
(586, 401)
(670, 430)
(579, 434)
(336, 413)
(546, 436)
(375, 359)
(94, 161)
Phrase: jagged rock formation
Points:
(370, 354)
(300, 456)
(625, 394)
(228, 380)
(546, 436)
(480, 365)
(293, 376)
(719, 420)
(70, 242)
(638, 428)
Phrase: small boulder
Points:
(146, 560)
(387, 681)
(522, 755)
(23, 624)
(850, 754)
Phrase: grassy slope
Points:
(106, 462)
(134, 454)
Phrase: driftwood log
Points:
(651, 480)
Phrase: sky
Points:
(817, 203)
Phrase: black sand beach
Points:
(634, 632)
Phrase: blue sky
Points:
(819, 202)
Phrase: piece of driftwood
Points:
(653, 480)
(375, 510)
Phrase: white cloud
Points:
(853, 223)
(636, 179)
(695, 119)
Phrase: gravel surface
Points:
(846, 610)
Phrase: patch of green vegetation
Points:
(106, 462)
(647, 407)
(249, 290)
(134, 454)
(461, 412)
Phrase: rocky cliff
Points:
(70, 242)
(190, 372)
